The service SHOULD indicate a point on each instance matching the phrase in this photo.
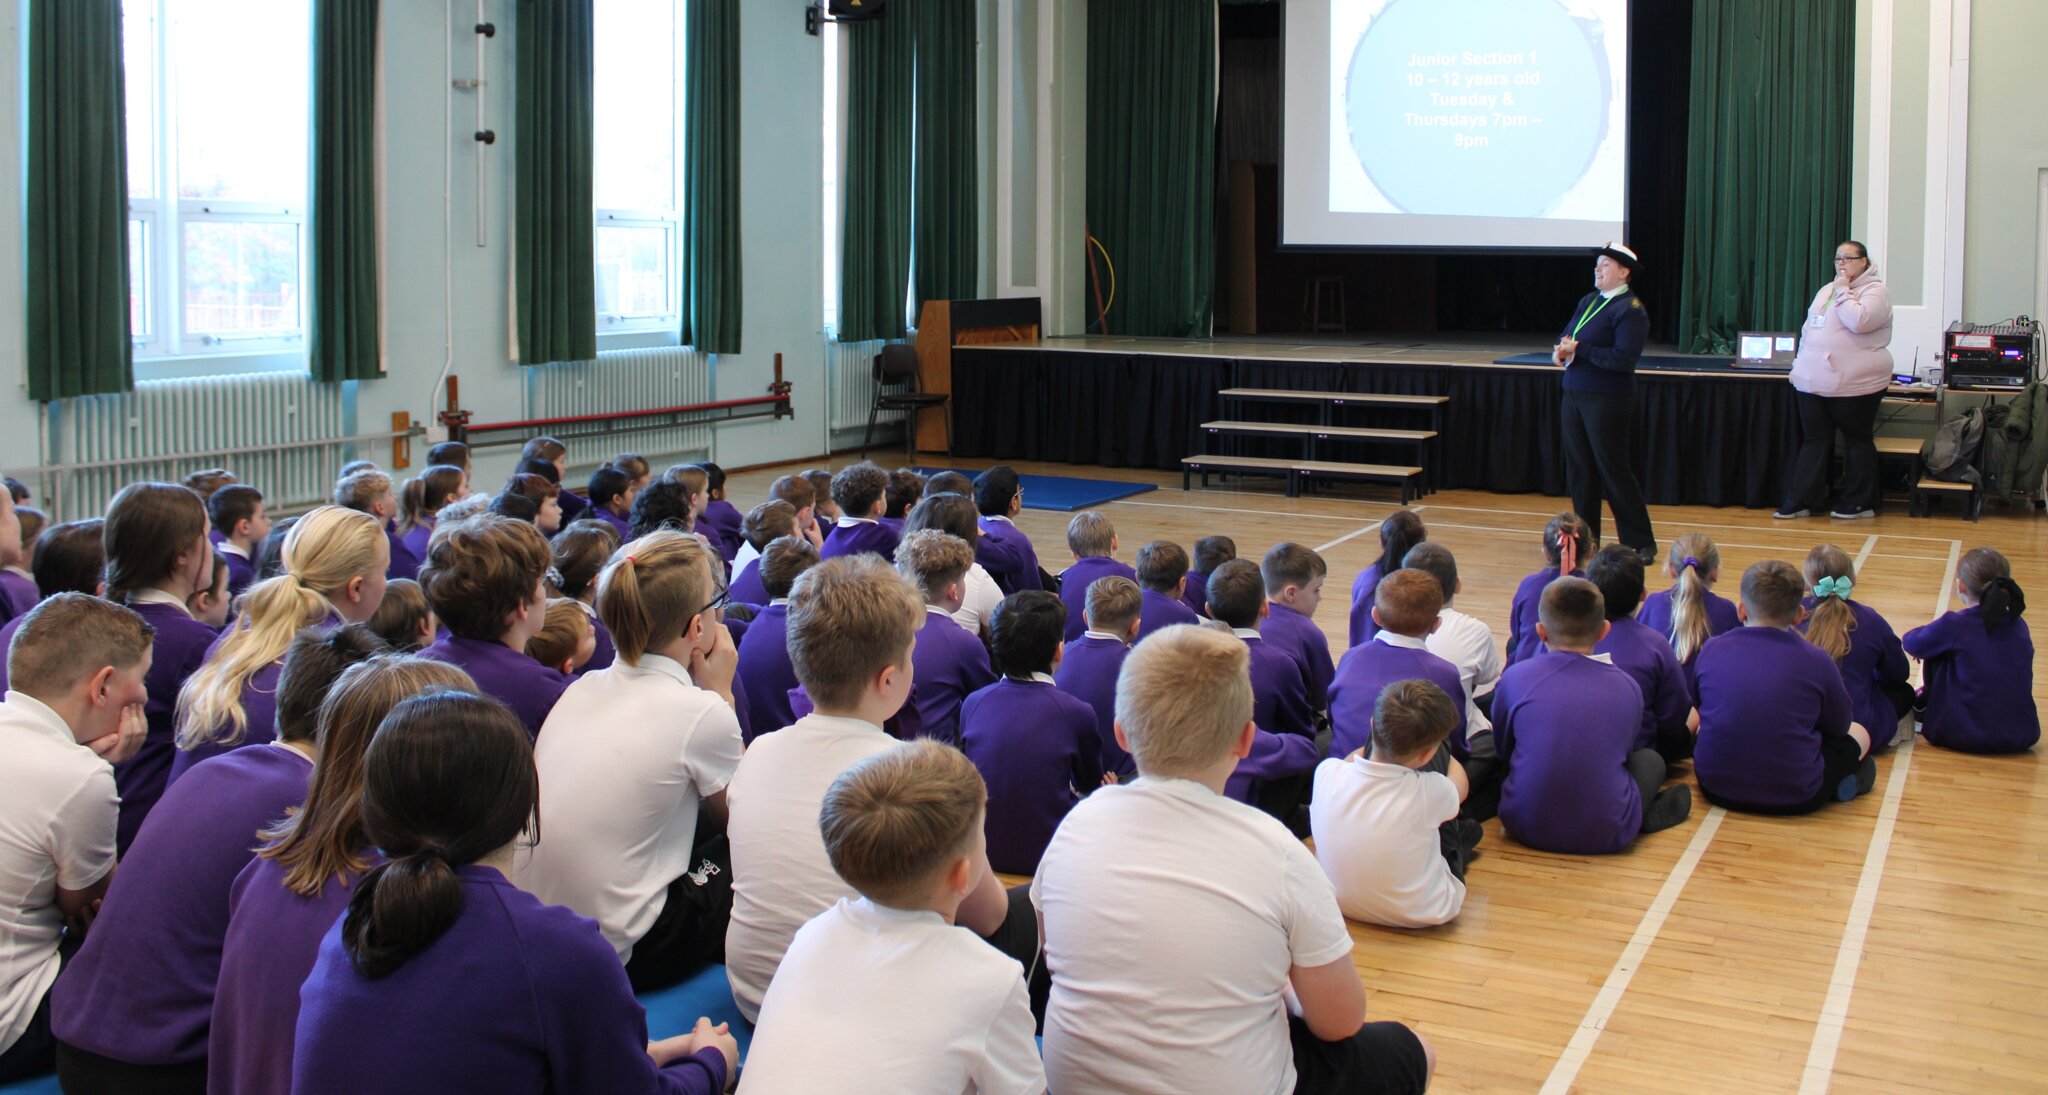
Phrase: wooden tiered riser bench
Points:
(1299, 472)
(1412, 479)
(1313, 437)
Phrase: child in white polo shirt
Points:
(882, 992)
(1194, 943)
(1387, 832)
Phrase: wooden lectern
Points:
(945, 324)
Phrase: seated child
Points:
(1210, 552)
(721, 519)
(769, 521)
(1274, 777)
(210, 605)
(905, 488)
(452, 453)
(17, 587)
(1690, 612)
(369, 491)
(1863, 645)
(1387, 829)
(69, 559)
(1004, 549)
(764, 659)
(1035, 745)
(1294, 584)
(580, 553)
(403, 619)
(1089, 665)
(1400, 531)
(827, 511)
(638, 471)
(543, 494)
(611, 498)
(1567, 544)
(423, 499)
(238, 518)
(1162, 572)
(1092, 539)
(1464, 641)
(1182, 928)
(955, 515)
(1405, 607)
(633, 758)
(555, 455)
(1980, 663)
(852, 624)
(483, 579)
(883, 992)
(663, 504)
(1667, 715)
(949, 664)
(565, 640)
(1565, 724)
(696, 484)
(1777, 733)
(861, 491)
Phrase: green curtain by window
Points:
(1151, 160)
(554, 249)
(711, 177)
(874, 268)
(1767, 182)
(946, 225)
(77, 245)
(343, 343)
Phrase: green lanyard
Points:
(1590, 313)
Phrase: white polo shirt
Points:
(871, 998)
(57, 811)
(1171, 917)
(626, 757)
(1376, 837)
(983, 595)
(781, 877)
(1466, 642)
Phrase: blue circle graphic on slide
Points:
(1480, 108)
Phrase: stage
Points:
(1707, 434)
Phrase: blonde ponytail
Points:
(1693, 557)
(648, 590)
(1832, 619)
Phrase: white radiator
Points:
(849, 370)
(167, 429)
(625, 380)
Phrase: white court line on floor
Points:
(1787, 527)
(1834, 1011)
(1862, 557)
(1567, 1068)
(1255, 512)
(1355, 534)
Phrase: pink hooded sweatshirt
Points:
(1842, 346)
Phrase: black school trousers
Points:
(1820, 418)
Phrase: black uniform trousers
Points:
(1599, 454)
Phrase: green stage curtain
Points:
(711, 176)
(947, 227)
(874, 268)
(554, 252)
(1767, 181)
(343, 343)
(1151, 161)
(77, 245)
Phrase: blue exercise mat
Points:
(674, 1010)
(1062, 493)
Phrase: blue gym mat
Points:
(1059, 492)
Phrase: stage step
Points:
(1312, 434)
(1298, 472)
(1366, 399)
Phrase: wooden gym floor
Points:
(1894, 944)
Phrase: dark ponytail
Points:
(1399, 533)
(448, 780)
(1988, 577)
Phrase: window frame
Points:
(619, 330)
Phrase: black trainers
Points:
(1846, 514)
(1791, 513)
(1648, 554)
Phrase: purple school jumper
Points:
(1088, 672)
(241, 572)
(1006, 553)
(1279, 698)
(1522, 640)
(1656, 614)
(572, 504)
(1273, 756)
(273, 937)
(1074, 583)
(1565, 725)
(1196, 595)
(850, 537)
(1646, 657)
(619, 524)
(1287, 629)
(529, 688)
(606, 653)
(1875, 658)
(720, 523)
(416, 539)
(765, 666)
(405, 563)
(948, 666)
(259, 702)
(18, 593)
(1980, 684)
(1157, 610)
(1362, 589)
(1039, 751)
(1767, 697)
(141, 988)
(446, 1019)
(1367, 670)
(746, 588)
(179, 648)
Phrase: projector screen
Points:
(1481, 124)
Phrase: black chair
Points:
(897, 364)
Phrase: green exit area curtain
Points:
(911, 194)
(344, 343)
(1767, 176)
(77, 243)
(554, 215)
(1151, 160)
(711, 176)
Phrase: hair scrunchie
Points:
(1689, 562)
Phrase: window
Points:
(218, 182)
(638, 155)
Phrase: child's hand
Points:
(125, 741)
(714, 669)
(1109, 779)
(719, 1035)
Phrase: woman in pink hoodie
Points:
(1841, 373)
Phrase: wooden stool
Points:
(1322, 303)
(1926, 489)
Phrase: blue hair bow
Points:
(1833, 587)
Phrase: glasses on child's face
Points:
(724, 598)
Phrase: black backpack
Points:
(1951, 454)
